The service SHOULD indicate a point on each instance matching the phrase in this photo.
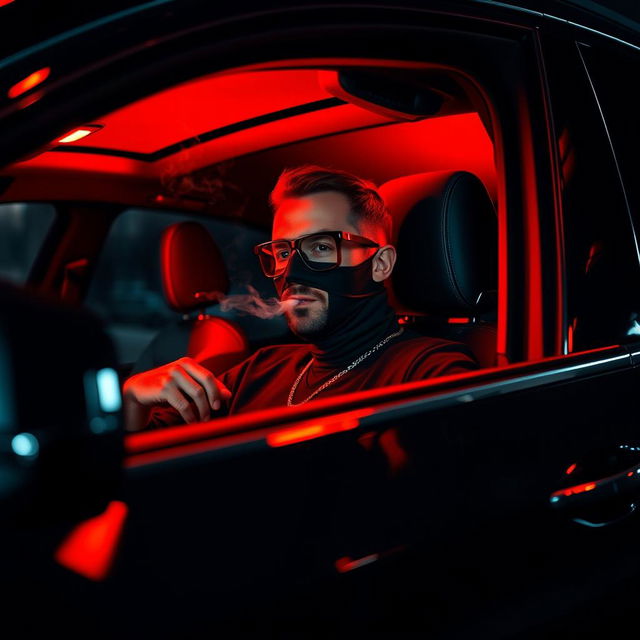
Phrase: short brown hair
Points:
(366, 203)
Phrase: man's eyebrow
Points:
(305, 234)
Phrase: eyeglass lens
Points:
(319, 252)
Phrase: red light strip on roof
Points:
(91, 547)
(28, 83)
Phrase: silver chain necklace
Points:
(355, 363)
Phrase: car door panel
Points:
(318, 529)
(431, 511)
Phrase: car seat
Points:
(194, 277)
(445, 280)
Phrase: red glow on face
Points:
(571, 469)
(284, 437)
(90, 548)
(32, 80)
(78, 134)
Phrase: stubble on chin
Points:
(305, 324)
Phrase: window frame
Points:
(523, 329)
(572, 35)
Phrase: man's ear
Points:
(383, 263)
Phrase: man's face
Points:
(295, 217)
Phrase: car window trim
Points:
(79, 30)
(566, 21)
(253, 429)
(612, 148)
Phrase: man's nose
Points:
(291, 261)
(288, 277)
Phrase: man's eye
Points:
(322, 248)
(282, 254)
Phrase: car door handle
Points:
(620, 491)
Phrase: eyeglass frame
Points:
(294, 245)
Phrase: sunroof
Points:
(204, 109)
(207, 136)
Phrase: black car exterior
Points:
(513, 513)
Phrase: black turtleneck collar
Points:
(368, 321)
(358, 315)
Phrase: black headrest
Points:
(447, 238)
(193, 270)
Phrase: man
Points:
(328, 259)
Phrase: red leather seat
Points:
(194, 277)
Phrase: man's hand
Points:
(184, 384)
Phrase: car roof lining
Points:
(452, 142)
(248, 98)
(138, 177)
(207, 135)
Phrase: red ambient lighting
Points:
(347, 564)
(90, 548)
(284, 437)
(78, 134)
(580, 488)
(5, 2)
(28, 83)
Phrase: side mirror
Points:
(61, 430)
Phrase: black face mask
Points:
(346, 282)
(358, 310)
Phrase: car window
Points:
(126, 290)
(611, 73)
(457, 167)
(23, 228)
(602, 272)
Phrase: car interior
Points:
(488, 503)
(148, 214)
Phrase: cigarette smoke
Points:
(252, 304)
